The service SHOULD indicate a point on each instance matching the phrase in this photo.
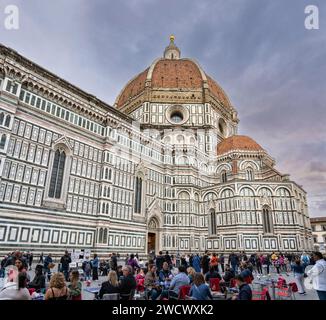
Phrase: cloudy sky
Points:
(271, 67)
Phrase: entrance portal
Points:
(151, 242)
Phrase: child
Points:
(75, 286)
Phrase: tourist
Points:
(38, 282)
(245, 292)
(133, 263)
(259, 264)
(30, 260)
(318, 275)
(305, 259)
(113, 262)
(165, 274)
(19, 263)
(168, 259)
(179, 280)
(191, 273)
(119, 272)
(196, 263)
(152, 283)
(159, 261)
(226, 279)
(245, 271)
(214, 261)
(140, 280)
(40, 260)
(111, 285)
(184, 261)
(95, 263)
(222, 261)
(75, 286)
(87, 268)
(234, 262)
(127, 283)
(16, 287)
(212, 274)
(205, 262)
(57, 288)
(48, 262)
(64, 262)
(298, 270)
(199, 290)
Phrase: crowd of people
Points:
(163, 276)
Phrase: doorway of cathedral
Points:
(151, 242)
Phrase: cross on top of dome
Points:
(172, 51)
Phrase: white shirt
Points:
(318, 275)
(10, 292)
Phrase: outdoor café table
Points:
(266, 283)
(218, 295)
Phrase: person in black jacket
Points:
(65, 260)
(168, 259)
(205, 262)
(127, 283)
(212, 274)
(110, 286)
(159, 261)
(38, 282)
(245, 292)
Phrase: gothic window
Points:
(223, 176)
(100, 237)
(57, 174)
(105, 236)
(267, 220)
(138, 194)
(2, 116)
(3, 141)
(213, 222)
(249, 174)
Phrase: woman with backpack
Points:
(87, 268)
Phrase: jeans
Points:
(299, 280)
(154, 294)
(321, 295)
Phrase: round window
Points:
(176, 117)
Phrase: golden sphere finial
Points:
(172, 37)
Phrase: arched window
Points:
(7, 122)
(267, 221)
(2, 116)
(3, 141)
(57, 174)
(138, 194)
(107, 208)
(213, 222)
(103, 207)
(224, 176)
(249, 174)
(100, 237)
(105, 236)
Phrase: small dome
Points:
(237, 142)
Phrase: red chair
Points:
(261, 295)
(214, 284)
(183, 292)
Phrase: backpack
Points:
(305, 259)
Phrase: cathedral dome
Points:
(238, 143)
(175, 80)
